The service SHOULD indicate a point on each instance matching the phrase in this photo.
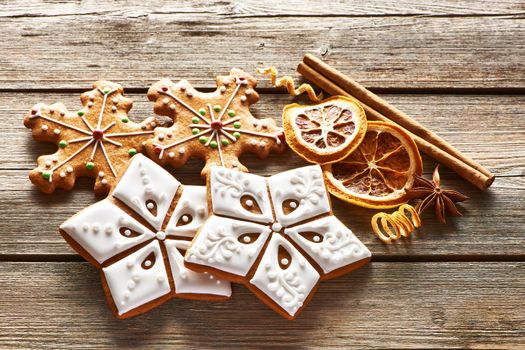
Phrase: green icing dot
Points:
(203, 139)
(47, 174)
(224, 142)
(195, 120)
(62, 144)
(237, 135)
(202, 111)
(132, 151)
(90, 165)
(231, 113)
(80, 113)
(237, 125)
(195, 131)
(107, 91)
(217, 108)
(213, 144)
(125, 120)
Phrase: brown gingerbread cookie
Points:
(215, 126)
(95, 141)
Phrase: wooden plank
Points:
(138, 47)
(253, 8)
(383, 305)
(488, 128)
(464, 120)
(491, 225)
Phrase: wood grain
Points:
(254, 8)
(383, 305)
(138, 46)
(462, 119)
(488, 128)
(459, 285)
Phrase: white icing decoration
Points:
(217, 245)
(83, 228)
(89, 138)
(289, 288)
(305, 185)
(134, 286)
(104, 231)
(192, 202)
(212, 133)
(187, 281)
(226, 244)
(339, 247)
(135, 194)
(227, 186)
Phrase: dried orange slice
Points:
(379, 171)
(325, 132)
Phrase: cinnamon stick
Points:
(366, 96)
(465, 170)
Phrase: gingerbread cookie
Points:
(217, 126)
(95, 141)
(138, 237)
(276, 235)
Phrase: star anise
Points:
(430, 192)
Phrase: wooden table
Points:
(457, 66)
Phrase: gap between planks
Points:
(299, 80)
(441, 258)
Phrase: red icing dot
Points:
(242, 78)
(216, 125)
(157, 149)
(33, 111)
(164, 88)
(98, 134)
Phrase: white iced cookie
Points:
(140, 256)
(276, 235)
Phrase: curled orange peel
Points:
(401, 223)
(289, 84)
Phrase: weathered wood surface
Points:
(475, 46)
(464, 120)
(383, 305)
(254, 8)
(456, 66)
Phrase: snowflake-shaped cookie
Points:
(215, 126)
(95, 141)
(138, 237)
(276, 235)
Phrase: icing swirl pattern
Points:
(276, 234)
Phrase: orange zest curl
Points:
(391, 227)
(289, 84)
